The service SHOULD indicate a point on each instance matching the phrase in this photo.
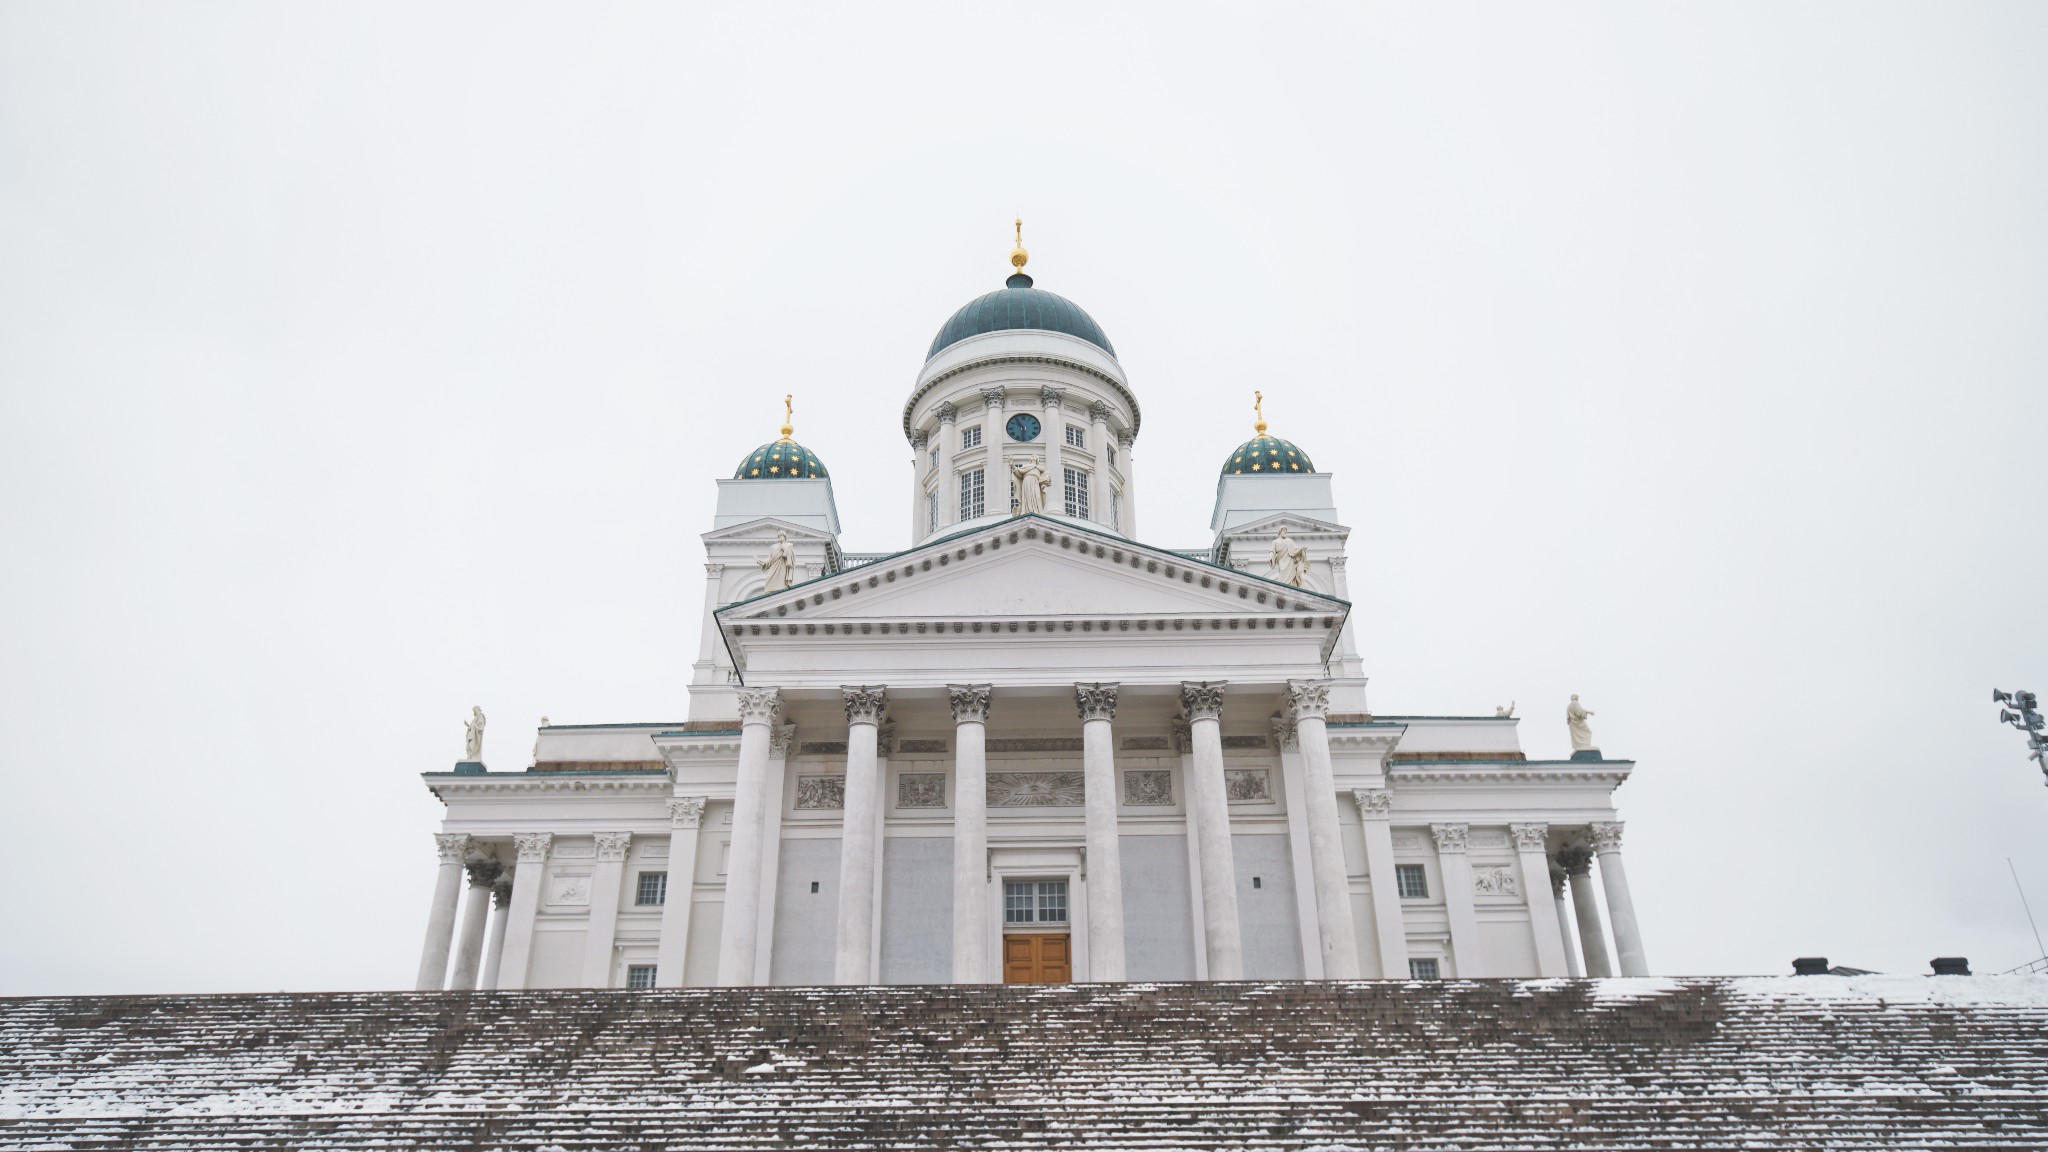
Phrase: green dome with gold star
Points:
(782, 459)
(1264, 455)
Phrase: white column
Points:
(469, 948)
(526, 881)
(737, 937)
(605, 880)
(494, 948)
(1578, 865)
(1564, 924)
(852, 963)
(1621, 911)
(1457, 874)
(1051, 403)
(1529, 848)
(781, 742)
(919, 443)
(449, 848)
(995, 473)
(685, 817)
(1203, 704)
(1098, 452)
(1127, 451)
(1309, 700)
(1375, 814)
(1292, 774)
(970, 832)
(1097, 706)
(948, 483)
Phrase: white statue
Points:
(1032, 482)
(780, 564)
(1575, 719)
(1508, 713)
(1290, 561)
(473, 736)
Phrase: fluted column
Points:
(738, 935)
(671, 957)
(532, 848)
(1578, 866)
(1203, 704)
(970, 831)
(1457, 873)
(1621, 911)
(1564, 924)
(853, 962)
(1126, 443)
(1288, 740)
(1098, 452)
(1535, 860)
(605, 880)
(1309, 700)
(1097, 706)
(948, 482)
(449, 848)
(469, 948)
(1376, 815)
(494, 948)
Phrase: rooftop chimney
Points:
(1810, 966)
(1951, 965)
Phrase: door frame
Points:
(1037, 862)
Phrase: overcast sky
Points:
(360, 363)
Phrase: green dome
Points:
(1264, 455)
(783, 459)
(1017, 307)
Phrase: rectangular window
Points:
(935, 457)
(1116, 510)
(1422, 970)
(1077, 437)
(1034, 902)
(1077, 493)
(1412, 881)
(1112, 455)
(640, 976)
(971, 499)
(653, 889)
(970, 436)
(931, 511)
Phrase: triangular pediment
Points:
(1032, 568)
(1295, 523)
(764, 528)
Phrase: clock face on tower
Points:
(1023, 428)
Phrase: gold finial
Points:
(1018, 256)
(788, 410)
(1259, 406)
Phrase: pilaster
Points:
(1530, 840)
(1375, 814)
(532, 850)
(671, 959)
(605, 880)
(1457, 874)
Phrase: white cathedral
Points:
(1028, 748)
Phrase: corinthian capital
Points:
(686, 811)
(970, 702)
(1051, 396)
(1098, 413)
(1373, 803)
(781, 739)
(1607, 837)
(613, 845)
(533, 846)
(758, 705)
(865, 702)
(450, 847)
(992, 398)
(1309, 698)
(1449, 837)
(1529, 837)
(947, 412)
(1096, 701)
(483, 873)
(1575, 861)
(1286, 735)
(1202, 699)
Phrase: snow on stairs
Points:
(1776, 1063)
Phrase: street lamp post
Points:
(2027, 719)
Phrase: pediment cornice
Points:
(765, 528)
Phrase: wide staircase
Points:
(1766, 1063)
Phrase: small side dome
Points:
(783, 459)
(1264, 455)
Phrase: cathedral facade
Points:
(1029, 747)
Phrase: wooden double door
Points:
(1038, 958)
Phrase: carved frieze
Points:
(1037, 744)
(1247, 785)
(909, 746)
(532, 846)
(1148, 787)
(1035, 790)
(1246, 742)
(1406, 842)
(451, 847)
(1146, 744)
(969, 701)
(1450, 837)
(1096, 701)
(613, 845)
(822, 748)
(1494, 880)
(575, 852)
(1529, 837)
(1489, 839)
(654, 851)
(1202, 699)
(759, 705)
(1308, 698)
(1373, 803)
(1607, 837)
(865, 703)
(921, 790)
(814, 792)
(686, 811)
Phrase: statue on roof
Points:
(1508, 713)
(1575, 718)
(1290, 561)
(473, 736)
(1032, 481)
(779, 564)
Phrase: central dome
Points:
(1020, 307)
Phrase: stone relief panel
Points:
(1148, 787)
(1407, 842)
(1146, 743)
(822, 748)
(1260, 742)
(1489, 839)
(821, 792)
(575, 851)
(569, 890)
(908, 746)
(654, 851)
(921, 790)
(1035, 789)
(1248, 785)
(1494, 880)
(1037, 744)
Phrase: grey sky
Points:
(361, 363)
